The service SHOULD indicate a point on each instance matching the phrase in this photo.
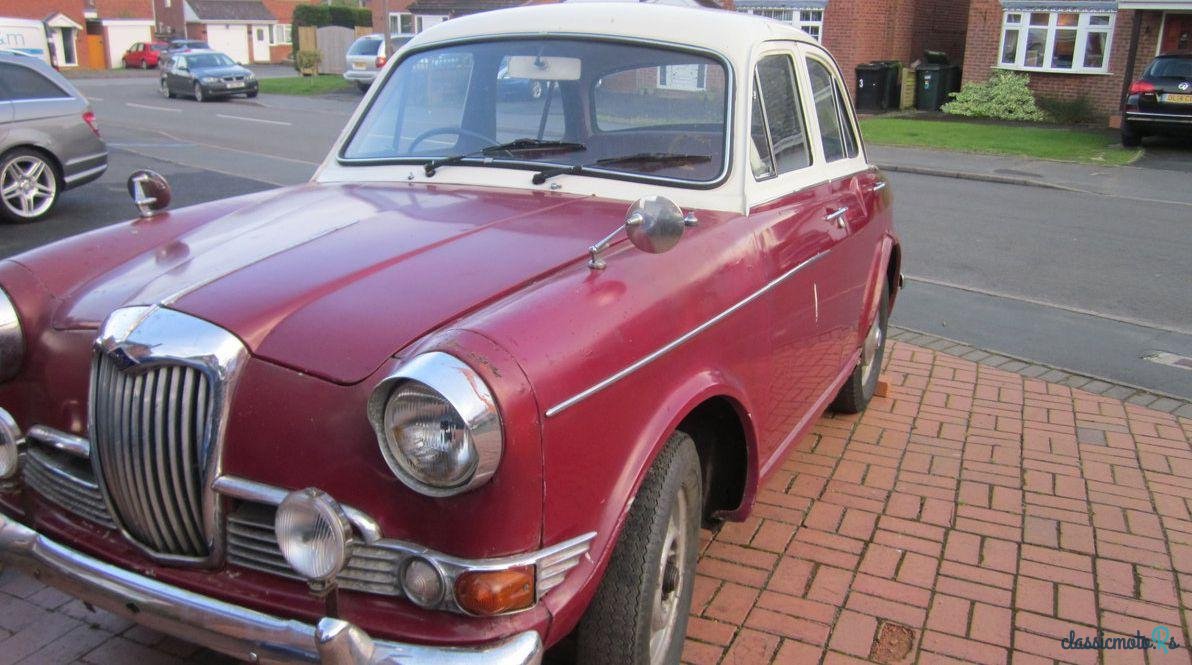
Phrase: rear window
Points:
(365, 46)
(160, 47)
(1178, 68)
(23, 83)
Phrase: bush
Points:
(308, 61)
(1005, 96)
(349, 17)
(1070, 111)
(316, 15)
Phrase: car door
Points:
(850, 181)
(176, 76)
(787, 197)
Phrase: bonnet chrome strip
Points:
(686, 337)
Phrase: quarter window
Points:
(836, 132)
(1060, 41)
(779, 136)
(24, 83)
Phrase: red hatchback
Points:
(144, 54)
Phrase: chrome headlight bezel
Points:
(471, 398)
(318, 506)
(12, 338)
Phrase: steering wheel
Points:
(458, 131)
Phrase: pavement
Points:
(973, 514)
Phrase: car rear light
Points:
(89, 118)
(1141, 87)
(380, 61)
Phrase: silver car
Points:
(49, 141)
(367, 55)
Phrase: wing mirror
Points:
(149, 191)
(654, 225)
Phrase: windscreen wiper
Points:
(517, 145)
(647, 161)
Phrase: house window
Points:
(405, 23)
(810, 20)
(282, 33)
(1076, 42)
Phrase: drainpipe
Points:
(1130, 63)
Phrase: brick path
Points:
(971, 515)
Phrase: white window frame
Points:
(281, 33)
(813, 26)
(420, 22)
(1020, 20)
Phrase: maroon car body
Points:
(741, 335)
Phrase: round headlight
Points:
(12, 340)
(422, 582)
(313, 534)
(438, 425)
(9, 454)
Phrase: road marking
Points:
(152, 108)
(1169, 359)
(1045, 303)
(240, 117)
(214, 146)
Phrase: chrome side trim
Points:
(236, 631)
(251, 490)
(686, 337)
(86, 158)
(59, 440)
(83, 174)
(1148, 115)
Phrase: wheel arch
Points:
(51, 158)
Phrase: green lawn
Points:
(305, 85)
(1068, 145)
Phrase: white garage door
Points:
(121, 35)
(231, 39)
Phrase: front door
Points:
(260, 43)
(1177, 33)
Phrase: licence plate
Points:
(235, 84)
(1178, 99)
(357, 65)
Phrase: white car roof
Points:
(731, 34)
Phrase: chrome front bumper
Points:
(227, 628)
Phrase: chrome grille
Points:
(150, 431)
(67, 483)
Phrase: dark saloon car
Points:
(1161, 101)
(205, 75)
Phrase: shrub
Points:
(308, 61)
(316, 15)
(1070, 111)
(1005, 96)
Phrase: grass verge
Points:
(305, 85)
(1067, 145)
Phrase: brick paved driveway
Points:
(971, 515)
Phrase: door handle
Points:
(837, 216)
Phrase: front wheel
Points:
(165, 90)
(28, 186)
(199, 96)
(639, 613)
(855, 394)
(251, 95)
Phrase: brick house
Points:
(244, 29)
(1090, 48)
(92, 34)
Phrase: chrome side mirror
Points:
(654, 224)
(149, 191)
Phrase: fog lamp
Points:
(9, 454)
(313, 533)
(496, 591)
(422, 582)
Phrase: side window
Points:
(836, 133)
(778, 132)
(24, 83)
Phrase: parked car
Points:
(49, 140)
(510, 87)
(144, 54)
(366, 56)
(1161, 101)
(185, 45)
(476, 386)
(206, 75)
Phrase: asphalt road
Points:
(1088, 284)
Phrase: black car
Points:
(1161, 101)
(205, 75)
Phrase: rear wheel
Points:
(855, 394)
(639, 613)
(1131, 138)
(28, 185)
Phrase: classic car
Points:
(475, 387)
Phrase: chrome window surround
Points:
(12, 339)
(551, 564)
(142, 337)
(467, 393)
